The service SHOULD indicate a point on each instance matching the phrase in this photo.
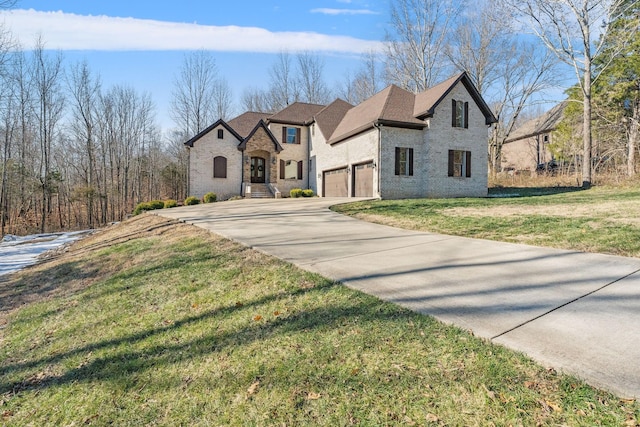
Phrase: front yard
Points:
(601, 219)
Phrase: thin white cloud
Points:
(68, 31)
(328, 11)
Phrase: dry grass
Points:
(152, 322)
(603, 219)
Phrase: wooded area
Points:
(75, 154)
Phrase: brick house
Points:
(393, 145)
(527, 148)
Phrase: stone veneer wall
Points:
(260, 145)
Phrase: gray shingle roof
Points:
(298, 113)
(246, 122)
(392, 105)
(330, 116)
(543, 124)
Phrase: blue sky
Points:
(142, 43)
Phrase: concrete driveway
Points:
(576, 312)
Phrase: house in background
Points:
(527, 148)
(394, 145)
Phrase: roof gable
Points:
(261, 125)
(427, 101)
(220, 122)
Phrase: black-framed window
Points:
(404, 161)
(459, 114)
(460, 163)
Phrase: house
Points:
(527, 148)
(393, 145)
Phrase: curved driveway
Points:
(576, 312)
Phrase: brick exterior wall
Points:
(359, 149)
(201, 180)
(397, 186)
(430, 157)
(442, 137)
(295, 152)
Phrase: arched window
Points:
(219, 167)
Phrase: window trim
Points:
(285, 135)
(220, 134)
(408, 160)
(299, 169)
(459, 120)
(465, 166)
(222, 166)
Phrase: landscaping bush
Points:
(141, 207)
(170, 203)
(209, 197)
(191, 200)
(156, 204)
(307, 193)
(295, 192)
(148, 206)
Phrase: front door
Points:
(257, 170)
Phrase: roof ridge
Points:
(387, 99)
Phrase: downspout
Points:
(241, 172)
(379, 160)
(188, 171)
(309, 155)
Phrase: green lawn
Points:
(157, 323)
(601, 219)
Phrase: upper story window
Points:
(291, 135)
(459, 114)
(220, 134)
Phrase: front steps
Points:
(260, 191)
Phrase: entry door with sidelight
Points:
(257, 170)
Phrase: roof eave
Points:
(208, 129)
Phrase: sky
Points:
(143, 43)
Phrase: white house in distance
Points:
(394, 145)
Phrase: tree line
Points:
(76, 154)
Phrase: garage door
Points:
(363, 180)
(335, 183)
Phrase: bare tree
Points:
(283, 88)
(367, 81)
(255, 99)
(313, 89)
(84, 89)
(222, 98)
(573, 30)
(506, 70)
(415, 46)
(49, 104)
(196, 96)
